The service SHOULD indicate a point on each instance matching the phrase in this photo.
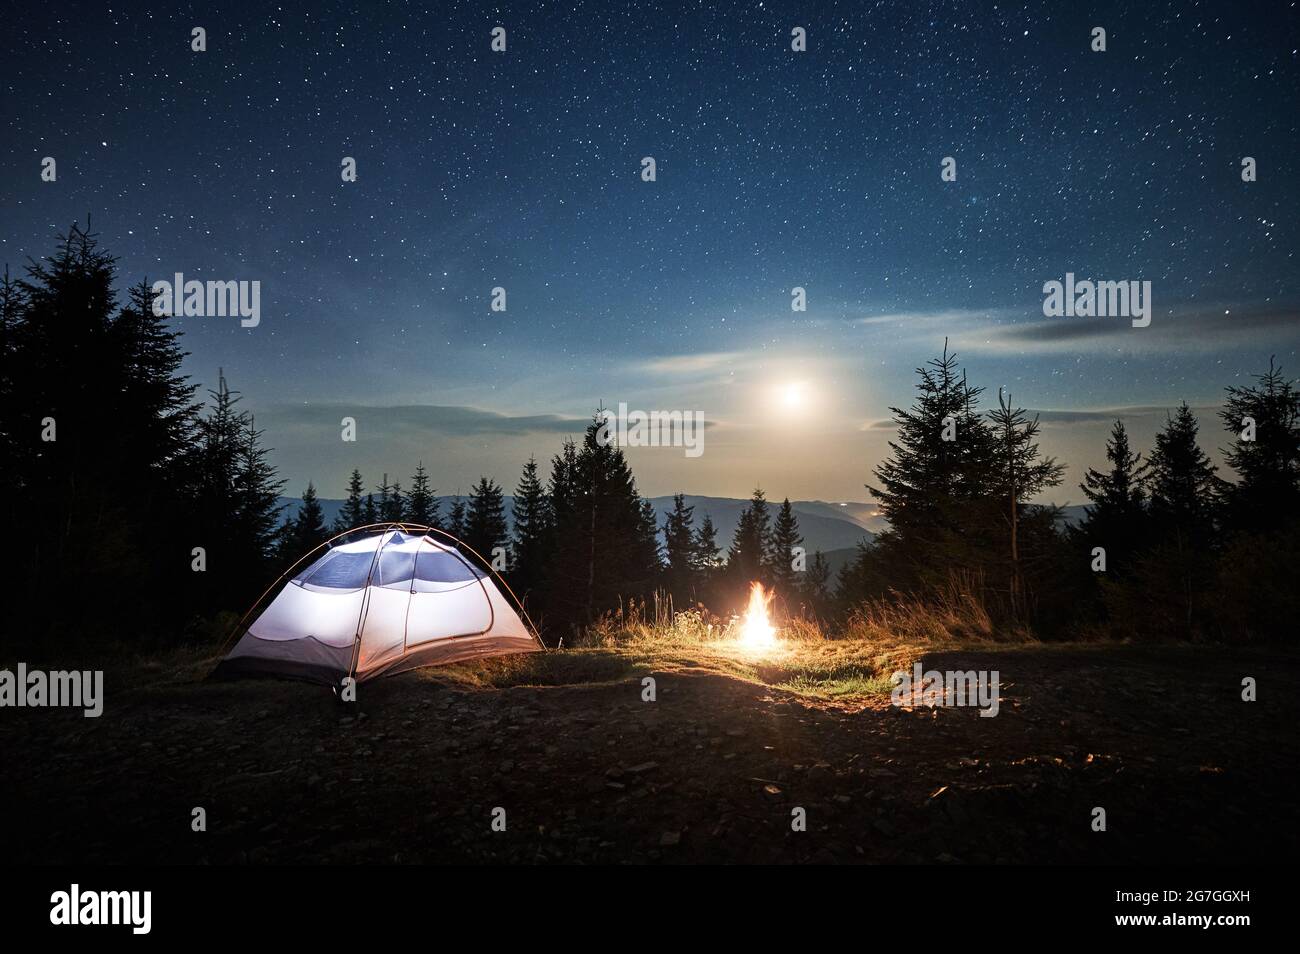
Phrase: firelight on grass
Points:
(756, 629)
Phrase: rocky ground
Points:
(709, 772)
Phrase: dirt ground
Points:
(711, 771)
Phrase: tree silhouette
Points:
(934, 488)
(606, 548)
(304, 531)
(815, 587)
(750, 551)
(457, 517)
(485, 522)
(420, 506)
(1020, 472)
(1165, 594)
(1183, 486)
(785, 537)
(353, 512)
(533, 531)
(1117, 517)
(681, 551)
(1264, 420)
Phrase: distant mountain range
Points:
(825, 526)
(835, 529)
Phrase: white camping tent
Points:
(380, 599)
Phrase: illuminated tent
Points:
(379, 600)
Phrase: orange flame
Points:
(756, 630)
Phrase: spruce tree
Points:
(562, 490)
(681, 551)
(606, 550)
(749, 554)
(1254, 595)
(1020, 472)
(236, 503)
(933, 489)
(307, 530)
(384, 502)
(708, 554)
(420, 506)
(353, 512)
(257, 497)
(456, 518)
(1115, 520)
(485, 522)
(155, 401)
(530, 544)
(1166, 594)
(1264, 420)
(815, 586)
(67, 370)
(785, 538)
(394, 507)
(1183, 486)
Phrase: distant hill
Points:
(825, 526)
(1072, 514)
(838, 560)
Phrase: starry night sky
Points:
(775, 169)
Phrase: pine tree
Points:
(353, 512)
(531, 541)
(1183, 486)
(681, 551)
(785, 538)
(708, 555)
(384, 503)
(1254, 595)
(485, 523)
(1020, 472)
(420, 506)
(647, 536)
(307, 528)
(1166, 593)
(562, 490)
(606, 548)
(457, 517)
(815, 587)
(370, 512)
(1264, 420)
(860, 578)
(67, 370)
(748, 556)
(393, 505)
(1116, 518)
(156, 399)
(236, 503)
(256, 497)
(933, 489)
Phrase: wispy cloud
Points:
(686, 364)
(926, 321)
(1177, 330)
(443, 420)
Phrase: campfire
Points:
(756, 629)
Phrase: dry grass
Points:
(852, 663)
(808, 660)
